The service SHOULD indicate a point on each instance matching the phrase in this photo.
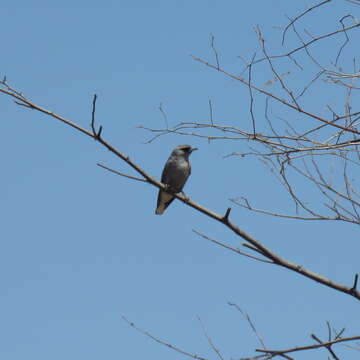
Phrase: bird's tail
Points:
(160, 209)
(164, 200)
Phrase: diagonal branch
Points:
(256, 244)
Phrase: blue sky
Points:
(80, 247)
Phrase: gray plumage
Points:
(176, 171)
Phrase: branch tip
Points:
(99, 132)
(226, 216)
(353, 289)
(96, 134)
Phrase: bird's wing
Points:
(164, 198)
(166, 173)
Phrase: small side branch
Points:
(163, 113)
(353, 289)
(211, 112)
(226, 216)
(237, 251)
(119, 173)
(250, 322)
(299, 16)
(211, 343)
(212, 39)
(346, 37)
(328, 347)
(97, 134)
(309, 347)
(251, 96)
(161, 342)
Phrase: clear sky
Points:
(81, 247)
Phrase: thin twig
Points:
(252, 97)
(164, 115)
(308, 347)
(209, 340)
(161, 342)
(300, 16)
(119, 173)
(252, 325)
(211, 112)
(280, 100)
(237, 251)
(212, 40)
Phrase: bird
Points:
(176, 171)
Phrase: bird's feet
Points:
(185, 196)
(169, 189)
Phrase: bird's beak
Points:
(193, 149)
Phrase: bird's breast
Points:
(180, 171)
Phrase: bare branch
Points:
(328, 347)
(161, 342)
(308, 347)
(211, 343)
(211, 112)
(164, 115)
(274, 258)
(119, 173)
(346, 37)
(237, 251)
(251, 96)
(262, 44)
(212, 40)
(282, 101)
(96, 134)
(251, 323)
(311, 42)
(300, 16)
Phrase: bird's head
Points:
(183, 150)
